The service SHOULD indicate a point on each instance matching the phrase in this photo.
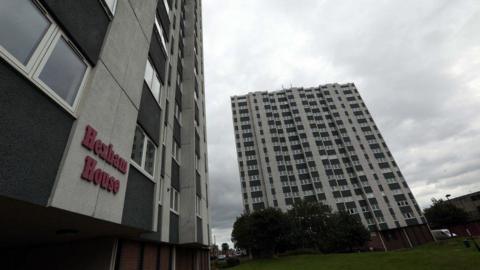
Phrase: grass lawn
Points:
(435, 256)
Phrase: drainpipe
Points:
(408, 238)
(383, 243)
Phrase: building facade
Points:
(103, 158)
(470, 203)
(321, 144)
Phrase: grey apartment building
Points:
(321, 144)
(103, 158)
(470, 203)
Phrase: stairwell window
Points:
(198, 206)
(143, 153)
(174, 200)
(32, 43)
(152, 80)
(161, 34)
(167, 6)
(110, 5)
(178, 113)
(176, 151)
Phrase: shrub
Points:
(302, 251)
(232, 261)
(229, 262)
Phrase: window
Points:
(370, 221)
(30, 25)
(197, 162)
(402, 203)
(151, 78)
(111, 5)
(33, 44)
(198, 206)
(174, 200)
(178, 113)
(167, 6)
(63, 60)
(176, 151)
(143, 152)
(160, 32)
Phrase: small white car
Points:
(442, 234)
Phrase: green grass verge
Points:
(435, 256)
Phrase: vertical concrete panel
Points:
(125, 51)
(137, 59)
(110, 207)
(144, 10)
(98, 110)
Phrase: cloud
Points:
(415, 63)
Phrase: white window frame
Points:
(141, 167)
(167, 7)
(352, 211)
(402, 203)
(39, 58)
(150, 81)
(161, 183)
(174, 197)
(178, 113)
(197, 162)
(198, 206)
(160, 32)
(176, 152)
(110, 7)
(43, 62)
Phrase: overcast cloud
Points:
(415, 63)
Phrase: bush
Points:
(232, 261)
(307, 226)
(302, 251)
(262, 232)
(229, 262)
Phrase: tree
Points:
(241, 233)
(345, 232)
(261, 232)
(309, 224)
(444, 214)
(225, 248)
(215, 250)
(270, 228)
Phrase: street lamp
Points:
(448, 196)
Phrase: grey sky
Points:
(415, 63)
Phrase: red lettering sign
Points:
(103, 151)
(96, 175)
